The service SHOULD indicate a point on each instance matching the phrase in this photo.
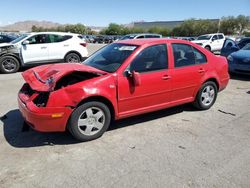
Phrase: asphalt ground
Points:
(176, 147)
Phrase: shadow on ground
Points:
(240, 77)
(17, 137)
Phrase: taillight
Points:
(84, 44)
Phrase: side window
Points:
(140, 37)
(37, 39)
(151, 59)
(220, 36)
(58, 38)
(199, 57)
(183, 55)
(215, 37)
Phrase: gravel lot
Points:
(177, 147)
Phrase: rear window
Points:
(58, 38)
(220, 36)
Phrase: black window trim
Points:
(196, 64)
(159, 70)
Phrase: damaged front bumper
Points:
(43, 119)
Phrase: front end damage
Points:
(46, 102)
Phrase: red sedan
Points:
(123, 79)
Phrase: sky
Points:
(101, 12)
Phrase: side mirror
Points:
(135, 76)
(128, 73)
(25, 42)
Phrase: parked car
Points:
(238, 56)
(89, 38)
(212, 42)
(123, 79)
(243, 42)
(6, 38)
(43, 47)
(140, 36)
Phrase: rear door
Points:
(189, 68)
(58, 46)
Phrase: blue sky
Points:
(101, 12)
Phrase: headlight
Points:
(230, 58)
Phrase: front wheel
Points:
(206, 96)
(9, 64)
(89, 121)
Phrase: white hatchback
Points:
(42, 47)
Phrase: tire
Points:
(208, 48)
(206, 96)
(89, 121)
(72, 58)
(9, 64)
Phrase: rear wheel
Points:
(89, 121)
(72, 58)
(9, 64)
(206, 96)
(208, 48)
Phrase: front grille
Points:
(241, 62)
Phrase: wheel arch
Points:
(102, 100)
(207, 45)
(12, 55)
(213, 80)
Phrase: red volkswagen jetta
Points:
(123, 79)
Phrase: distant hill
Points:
(27, 25)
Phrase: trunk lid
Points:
(44, 78)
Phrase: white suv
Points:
(42, 47)
(212, 42)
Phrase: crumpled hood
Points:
(44, 78)
(5, 45)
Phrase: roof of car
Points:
(140, 42)
(56, 33)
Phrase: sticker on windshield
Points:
(129, 48)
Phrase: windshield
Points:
(19, 39)
(111, 57)
(247, 47)
(204, 37)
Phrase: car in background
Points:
(103, 39)
(42, 47)
(6, 38)
(140, 36)
(212, 42)
(123, 79)
(89, 38)
(238, 56)
(243, 42)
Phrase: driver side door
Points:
(36, 51)
(153, 92)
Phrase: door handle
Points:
(43, 47)
(201, 70)
(166, 77)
